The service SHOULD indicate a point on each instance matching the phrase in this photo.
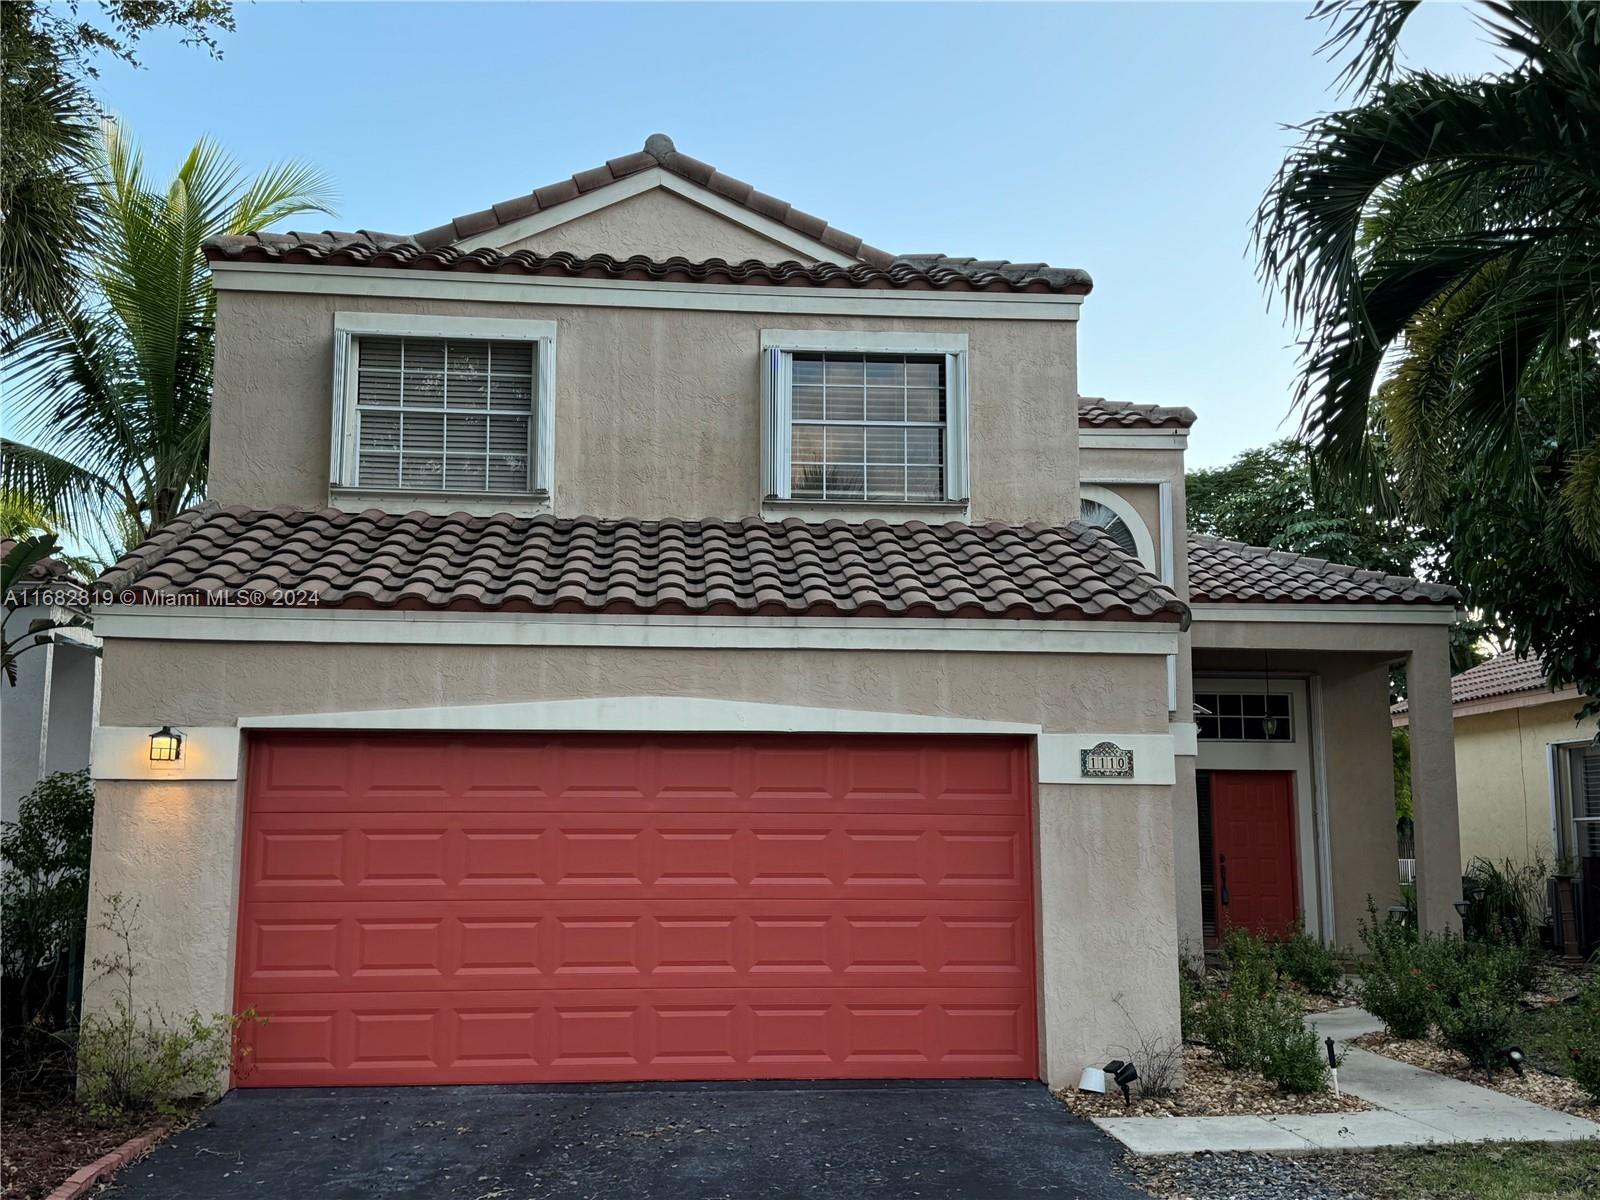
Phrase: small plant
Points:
(131, 1060)
(1584, 1048)
(1291, 1053)
(1505, 901)
(1481, 1027)
(1393, 987)
(1309, 963)
(1252, 965)
(1159, 1059)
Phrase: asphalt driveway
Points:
(987, 1140)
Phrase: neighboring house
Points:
(641, 631)
(1529, 770)
(47, 718)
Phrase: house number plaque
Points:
(1107, 761)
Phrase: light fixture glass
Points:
(166, 745)
(1269, 724)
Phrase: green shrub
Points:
(1481, 1027)
(133, 1060)
(133, 1063)
(1309, 963)
(1230, 1023)
(1412, 981)
(1584, 1046)
(1458, 968)
(1291, 1053)
(1393, 987)
(1251, 964)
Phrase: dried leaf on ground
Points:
(1210, 1089)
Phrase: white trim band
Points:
(389, 282)
(413, 627)
(1329, 614)
(212, 752)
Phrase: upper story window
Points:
(448, 405)
(865, 418)
(1110, 511)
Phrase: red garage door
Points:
(485, 908)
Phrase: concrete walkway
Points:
(1412, 1107)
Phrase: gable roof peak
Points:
(659, 145)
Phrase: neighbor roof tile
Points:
(1224, 572)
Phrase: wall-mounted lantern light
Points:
(166, 745)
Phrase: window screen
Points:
(867, 427)
(444, 415)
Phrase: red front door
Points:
(1252, 838)
(460, 908)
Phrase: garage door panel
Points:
(406, 855)
(509, 908)
(503, 1037)
(439, 945)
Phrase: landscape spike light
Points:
(1124, 1075)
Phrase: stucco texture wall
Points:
(1503, 778)
(658, 411)
(657, 224)
(1104, 856)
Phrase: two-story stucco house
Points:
(640, 631)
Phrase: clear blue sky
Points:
(1132, 139)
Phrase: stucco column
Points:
(1433, 781)
(1186, 860)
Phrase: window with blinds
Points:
(1586, 801)
(867, 427)
(444, 414)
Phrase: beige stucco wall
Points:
(657, 410)
(1105, 878)
(1503, 778)
(1108, 932)
(657, 224)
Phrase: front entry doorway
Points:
(1252, 880)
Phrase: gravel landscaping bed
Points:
(1210, 1089)
(1541, 1087)
(1490, 1171)
(1210, 1176)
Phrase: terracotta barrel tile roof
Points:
(547, 564)
(1499, 676)
(1096, 413)
(658, 151)
(49, 573)
(365, 248)
(881, 269)
(1224, 572)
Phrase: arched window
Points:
(1105, 509)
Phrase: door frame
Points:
(1302, 757)
(1294, 838)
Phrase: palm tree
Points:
(115, 397)
(1442, 238)
(46, 168)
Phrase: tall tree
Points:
(47, 194)
(1269, 497)
(115, 399)
(1439, 241)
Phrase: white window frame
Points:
(778, 347)
(1120, 505)
(348, 327)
